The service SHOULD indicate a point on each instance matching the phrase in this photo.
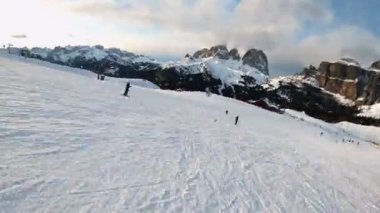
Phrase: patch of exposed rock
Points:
(258, 59)
(351, 81)
(253, 57)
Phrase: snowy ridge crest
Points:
(229, 71)
(96, 53)
(218, 62)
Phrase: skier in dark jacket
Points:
(236, 119)
(127, 89)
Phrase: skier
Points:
(226, 112)
(208, 92)
(236, 119)
(127, 89)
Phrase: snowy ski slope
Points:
(71, 143)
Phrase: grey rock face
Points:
(253, 57)
(219, 51)
(203, 53)
(234, 54)
(258, 59)
(353, 82)
(376, 65)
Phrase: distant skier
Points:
(226, 112)
(236, 119)
(208, 92)
(127, 89)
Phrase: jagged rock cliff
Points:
(351, 81)
(253, 57)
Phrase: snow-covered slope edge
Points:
(370, 111)
(77, 71)
(303, 92)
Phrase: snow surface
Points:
(83, 72)
(69, 53)
(371, 133)
(297, 80)
(374, 69)
(370, 111)
(71, 143)
(348, 62)
(88, 53)
(230, 71)
(340, 98)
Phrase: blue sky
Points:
(361, 13)
(293, 33)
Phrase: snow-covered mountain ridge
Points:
(324, 93)
(227, 69)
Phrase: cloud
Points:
(345, 41)
(246, 22)
(257, 21)
(19, 36)
(174, 28)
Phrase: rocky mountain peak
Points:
(253, 57)
(258, 59)
(220, 51)
(234, 54)
(376, 65)
(202, 53)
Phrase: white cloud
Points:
(345, 41)
(263, 23)
(176, 27)
(189, 25)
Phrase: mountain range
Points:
(335, 91)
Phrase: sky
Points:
(293, 33)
